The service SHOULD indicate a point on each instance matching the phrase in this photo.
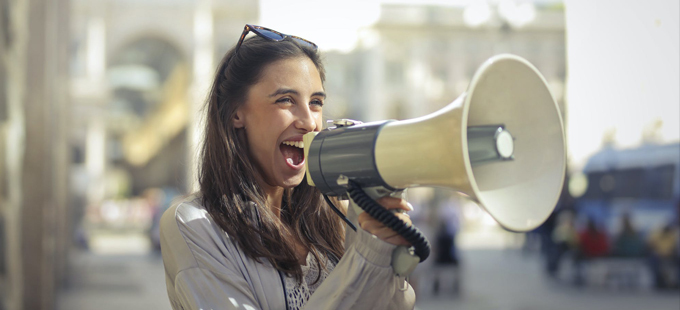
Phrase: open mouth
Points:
(293, 152)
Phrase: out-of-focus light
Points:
(578, 184)
(517, 15)
(525, 13)
(477, 13)
(203, 41)
(418, 74)
(111, 211)
(96, 48)
(369, 38)
(488, 221)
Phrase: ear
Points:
(239, 121)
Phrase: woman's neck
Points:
(274, 196)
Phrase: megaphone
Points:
(501, 144)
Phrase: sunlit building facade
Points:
(416, 59)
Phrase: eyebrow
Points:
(282, 91)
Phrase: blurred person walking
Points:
(629, 242)
(446, 269)
(592, 243)
(565, 241)
(663, 255)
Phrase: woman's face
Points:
(284, 105)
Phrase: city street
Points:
(492, 280)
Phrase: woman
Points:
(257, 236)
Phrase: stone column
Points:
(35, 152)
(14, 16)
(203, 71)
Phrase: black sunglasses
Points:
(272, 35)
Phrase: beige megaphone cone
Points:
(501, 144)
(434, 150)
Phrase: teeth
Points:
(298, 144)
(289, 160)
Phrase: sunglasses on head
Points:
(272, 35)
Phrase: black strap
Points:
(344, 218)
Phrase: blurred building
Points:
(97, 101)
(418, 58)
(141, 71)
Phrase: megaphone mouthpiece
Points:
(489, 143)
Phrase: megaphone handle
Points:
(404, 260)
(378, 212)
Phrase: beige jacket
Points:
(205, 270)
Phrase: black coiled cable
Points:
(378, 212)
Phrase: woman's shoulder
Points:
(188, 216)
(187, 208)
(188, 232)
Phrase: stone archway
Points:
(148, 114)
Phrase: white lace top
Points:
(297, 294)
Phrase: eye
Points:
(284, 100)
(316, 102)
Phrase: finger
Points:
(378, 229)
(404, 218)
(365, 217)
(384, 233)
(391, 203)
(397, 240)
(371, 224)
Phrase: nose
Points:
(306, 119)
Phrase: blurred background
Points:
(100, 116)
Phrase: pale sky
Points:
(623, 73)
(333, 24)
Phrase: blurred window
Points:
(635, 183)
(659, 182)
(395, 73)
(628, 183)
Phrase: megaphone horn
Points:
(501, 143)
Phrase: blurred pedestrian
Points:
(628, 242)
(663, 255)
(446, 274)
(565, 240)
(592, 243)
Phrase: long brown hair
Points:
(227, 181)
